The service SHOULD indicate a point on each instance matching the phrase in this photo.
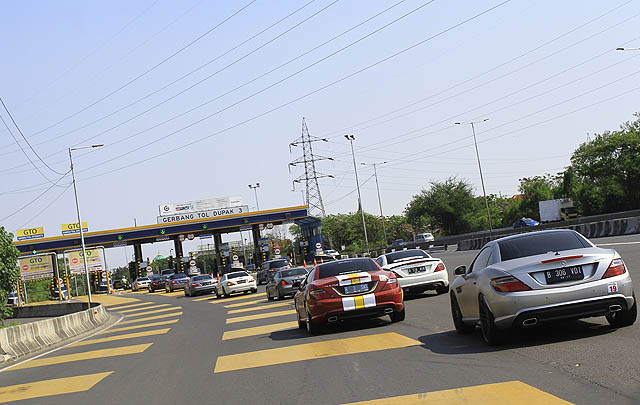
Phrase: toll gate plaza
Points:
(178, 230)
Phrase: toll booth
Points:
(311, 230)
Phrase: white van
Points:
(424, 237)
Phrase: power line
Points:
(27, 222)
(35, 199)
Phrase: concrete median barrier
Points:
(21, 340)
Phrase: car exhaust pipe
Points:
(388, 311)
(332, 319)
(530, 322)
(615, 308)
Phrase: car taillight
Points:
(392, 282)
(287, 267)
(616, 268)
(439, 267)
(508, 284)
(229, 283)
(195, 285)
(155, 283)
(251, 280)
(319, 293)
(283, 283)
(173, 282)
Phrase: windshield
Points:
(237, 274)
(402, 255)
(346, 266)
(179, 275)
(293, 272)
(536, 243)
(143, 279)
(278, 263)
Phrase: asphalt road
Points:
(176, 349)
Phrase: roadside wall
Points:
(18, 341)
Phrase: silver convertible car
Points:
(527, 279)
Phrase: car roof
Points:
(520, 235)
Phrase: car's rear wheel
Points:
(625, 317)
(217, 294)
(312, 328)
(269, 297)
(442, 289)
(280, 296)
(456, 314)
(301, 324)
(397, 316)
(491, 335)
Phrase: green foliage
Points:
(9, 271)
(38, 290)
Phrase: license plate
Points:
(354, 289)
(242, 281)
(565, 274)
(417, 270)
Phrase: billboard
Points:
(166, 219)
(95, 261)
(68, 229)
(30, 233)
(36, 267)
(191, 207)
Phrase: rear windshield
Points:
(237, 274)
(178, 275)
(346, 266)
(278, 263)
(293, 272)
(203, 277)
(536, 243)
(143, 279)
(395, 257)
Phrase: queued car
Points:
(175, 282)
(283, 282)
(157, 282)
(235, 282)
(332, 252)
(250, 267)
(529, 279)
(200, 284)
(345, 289)
(269, 268)
(140, 283)
(524, 222)
(103, 287)
(55, 293)
(416, 270)
(167, 272)
(12, 298)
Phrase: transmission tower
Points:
(310, 176)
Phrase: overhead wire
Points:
(23, 207)
(28, 222)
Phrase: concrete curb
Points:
(21, 340)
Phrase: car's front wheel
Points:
(491, 335)
(625, 317)
(456, 314)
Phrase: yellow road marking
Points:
(207, 298)
(45, 388)
(120, 306)
(145, 325)
(261, 307)
(94, 354)
(140, 292)
(142, 309)
(316, 350)
(108, 300)
(242, 297)
(242, 304)
(260, 316)
(150, 318)
(174, 293)
(121, 337)
(155, 311)
(506, 393)
(258, 330)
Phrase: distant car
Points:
(235, 282)
(200, 284)
(103, 287)
(269, 268)
(192, 271)
(398, 242)
(282, 283)
(332, 252)
(140, 283)
(416, 270)
(56, 294)
(167, 272)
(12, 299)
(118, 285)
(157, 282)
(524, 222)
(319, 259)
(250, 267)
(345, 289)
(531, 278)
(175, 282)
(424, 237)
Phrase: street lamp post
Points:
(375, 173)
(352, 138)
(75, 192)
(475, 142)
(627, 49)
(255, 191)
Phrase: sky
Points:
(197, 99)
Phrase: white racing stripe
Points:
(358, 302)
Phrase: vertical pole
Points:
(486, 202)
(56, 274)
(355, 169)
(384, 230)
(255, 191)
(84, 250)
(19, 293)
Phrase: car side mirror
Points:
(460, 271)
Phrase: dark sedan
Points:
(269, 268)
(282, 283)
(157, 282)
(176, 282)
(200, 284)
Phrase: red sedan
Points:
(345, 289)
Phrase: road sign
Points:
(104, 274)
(94, 261)
(36, 267)
(30, 233)
(188, 216)
(181, 238)
(277, 251)
(318, 245)
(192, 263)
(190, 207)
(149, 269)
(190, 236)
(235, 258)
(68, 229)
(269, 225)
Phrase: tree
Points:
(9, 271)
